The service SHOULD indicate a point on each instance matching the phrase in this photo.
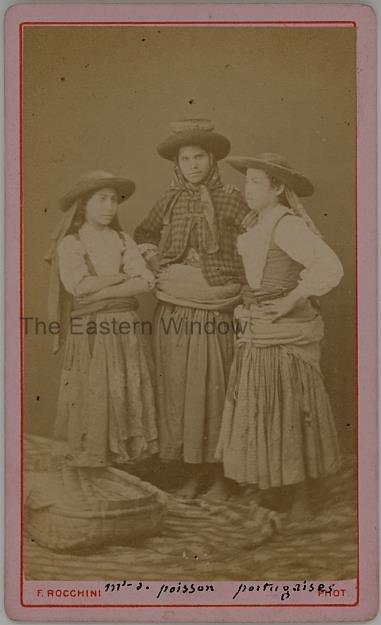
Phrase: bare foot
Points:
(218, 491)
(190, 489)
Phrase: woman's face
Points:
(259, 192)
(101, 208)
(194, 163)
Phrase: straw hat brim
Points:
(210, 141)
(124, 188)
(294, 180)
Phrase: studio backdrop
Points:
(103, 97)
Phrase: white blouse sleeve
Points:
(323, 270)
(71, 263)
(133, 262)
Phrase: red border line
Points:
(187, 23)
(273, 605)
(21, 211)
(207, 605)
(357, 345)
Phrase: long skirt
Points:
(106, 406)
(278, 427)
(193, 353)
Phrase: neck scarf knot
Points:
(208, 226)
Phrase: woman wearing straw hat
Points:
(278, 429)
(106, 410)
(189, 239)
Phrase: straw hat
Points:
(95, 180)
(194, 132)
(274, 165)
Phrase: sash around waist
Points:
(112, 304)
(185, 285)
(285, 331)
(227, 304)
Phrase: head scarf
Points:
(179, 185)
(298, 209)
(59, 300)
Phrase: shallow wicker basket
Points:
(73, 509)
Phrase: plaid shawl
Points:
(207, 217)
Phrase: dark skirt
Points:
(193, 354)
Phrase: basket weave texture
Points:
(76, 508)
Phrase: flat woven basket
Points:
(79, 509)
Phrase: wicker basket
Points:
(77, 509)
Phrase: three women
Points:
(271, 425)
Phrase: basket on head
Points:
(197, 132)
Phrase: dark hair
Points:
(276, 183)
(80, 215)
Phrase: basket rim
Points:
(107, 514)
(56, 510)
(152, 499)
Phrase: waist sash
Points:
(264, 332)
(227, 304)
(198, 293)
(298, 337)
(112, 304)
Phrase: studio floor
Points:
(236, 540)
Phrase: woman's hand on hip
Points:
(278, 308)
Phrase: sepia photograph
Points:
(191, 351)
(189, 316)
